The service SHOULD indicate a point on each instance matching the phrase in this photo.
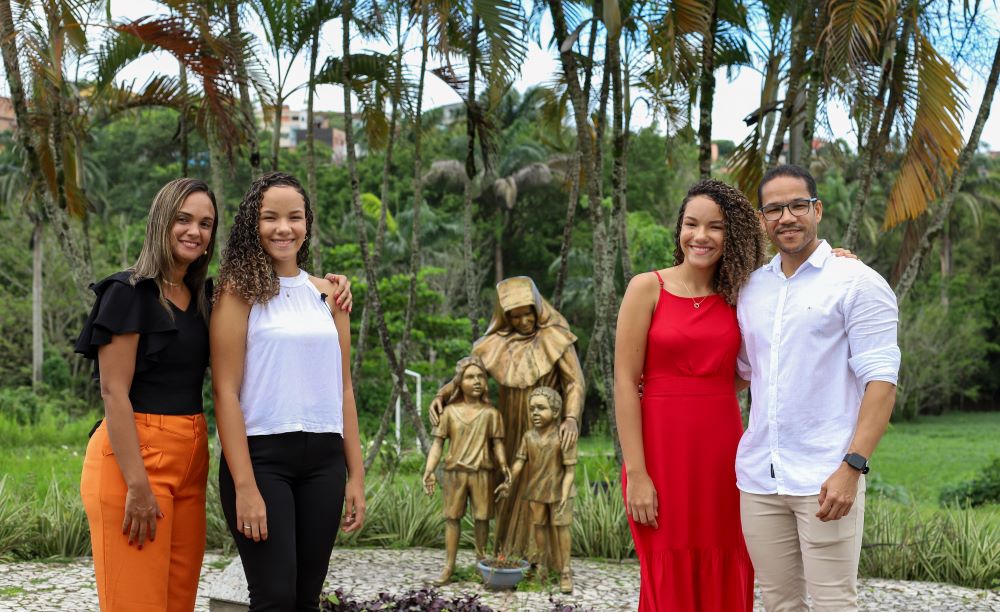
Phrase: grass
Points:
(928, 454)
(915, 461)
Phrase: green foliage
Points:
(651, 245)
(953, 546)
(60, 525)
(15, 532)
(944, 354)
(983, 489)
(600, 527)
(49, 411)
(399, 515)
(438, 339)
(372, 207)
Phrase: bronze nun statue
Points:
(527, 345)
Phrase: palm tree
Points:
(287, 32)
(940, 216)
(320, 12)
(395, 364)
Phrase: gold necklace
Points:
(696, 304)
(170, 283)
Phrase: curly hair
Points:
(744, 247)
(550, 394)
(247, 270)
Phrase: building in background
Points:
(294, 129)
(6, 115)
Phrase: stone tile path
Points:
(64, 587)
(37, 587)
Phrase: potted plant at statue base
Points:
(501, 573)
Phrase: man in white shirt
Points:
(819, 348)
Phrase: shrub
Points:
(600, 527)
(954, 546)
(399, 515)
(61, 528)
(944, 351)
(422, 599)
(15, 531)
(983, 489)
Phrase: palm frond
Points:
(503, 25)
(935, 139)
(202, 57)
(117, 51)
(746, 165)
(853, 34)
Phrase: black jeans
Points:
(301, 477)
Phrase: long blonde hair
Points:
(156, 259)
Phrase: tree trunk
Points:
(574, 198)
(945, 261)
(243, 83)
(182, 124)
(800, 44)
(707, 95)
(56, 214)
(471, 114)
(276, 132)
(626, 256)
(883, 115)
(317, 244)
(909, 274)
(418, 185)
(585, 142)
(37, 347)
(217, 159)
(396, 366)
(379, 243)
(619, 172)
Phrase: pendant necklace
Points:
(696, 304)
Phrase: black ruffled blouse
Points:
(172, 354)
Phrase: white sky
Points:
(733, 100)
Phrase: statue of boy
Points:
(474, 428)
(550, 488)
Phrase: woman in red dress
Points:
(678, 338)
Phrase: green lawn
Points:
(31, 456)
(931, 453)
(922, 456)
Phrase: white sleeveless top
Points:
(292, 376)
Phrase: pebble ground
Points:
(600, 586)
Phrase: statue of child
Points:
(474, 428)
(550, 488)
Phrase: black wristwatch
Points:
(856, 461)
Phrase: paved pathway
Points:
(37, 587)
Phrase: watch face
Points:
(856, 461)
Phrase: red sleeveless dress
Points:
(696, 559)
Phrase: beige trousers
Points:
(794, 553)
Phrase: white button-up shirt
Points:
(811, 343)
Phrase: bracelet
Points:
(570, 416)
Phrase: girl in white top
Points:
(283, 400)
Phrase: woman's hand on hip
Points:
(354, 506)
(141, 514)
(251, 514)
(640, 500)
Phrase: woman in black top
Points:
(146, 466)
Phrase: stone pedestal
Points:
(227, 592)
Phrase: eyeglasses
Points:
(798, 208)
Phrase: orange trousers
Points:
(163, 576)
